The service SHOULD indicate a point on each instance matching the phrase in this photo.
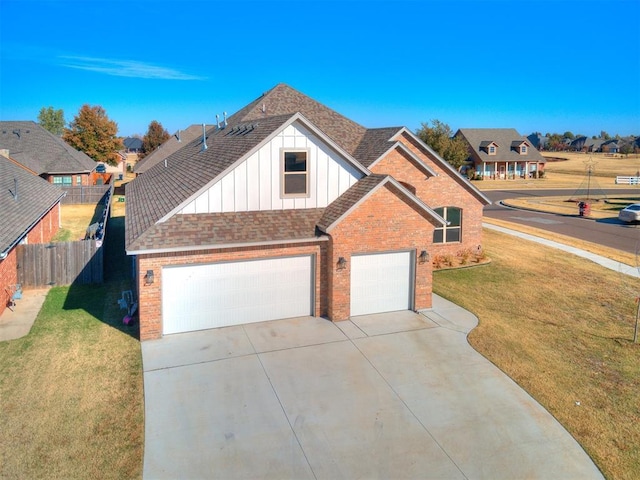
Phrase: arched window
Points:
(452, 232)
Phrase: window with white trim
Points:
(452, 232)
(492, 150)
(295, 173)
(523, 149)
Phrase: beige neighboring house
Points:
(502, 153)
(173, 144)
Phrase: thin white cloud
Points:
(124, 68)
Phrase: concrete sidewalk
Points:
(394, 395)
(17, 323)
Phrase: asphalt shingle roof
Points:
(41, 151)
(173, 144)
(505, 138)
(374, 143)
(35, 197)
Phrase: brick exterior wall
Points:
(42, 232)
(384, 222)
(8, 276)
(150, 296)
(46, 228)
(438, 191)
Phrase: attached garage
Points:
(381, 282)
(198, 297)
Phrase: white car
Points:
(630, 214)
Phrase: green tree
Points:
(439, 137)
(93, 133)
(52, 120)
(156, 135)
(569, 135)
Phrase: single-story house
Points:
(174, 143)
(44, 154)
(289, 209)
(30, 213)
(502, 153)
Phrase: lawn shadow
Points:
(101, 301)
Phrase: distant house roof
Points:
(24, 199)
(174, 143)
(41, 151)
(507, 139)
(132, 143)
(537, 140)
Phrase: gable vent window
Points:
(523, 149)
(295, 173)
(492, 150)
(452, 232)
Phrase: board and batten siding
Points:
(255, 184)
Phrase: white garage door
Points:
(381, 283)
(197, 297)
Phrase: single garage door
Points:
(197, 297)
(381, 282)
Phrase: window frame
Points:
(492, 150)
(445, 230)
(284, 174)
(523, 149)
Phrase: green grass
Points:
(562, 328)
(71, 391)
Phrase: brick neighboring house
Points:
(173, 144)
(502, 153)
(29, 213)
(44, 154)
(289, 209)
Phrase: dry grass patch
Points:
(600, 208)
(75, 219)
(607, 252)
(604, 166)
(561, 327)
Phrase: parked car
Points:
(630, 214)
(101, 168)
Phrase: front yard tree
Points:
(52, 120)
(93, 133)
(439, 136)
(156, 135)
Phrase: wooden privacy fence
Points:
(86, 194)
(61, 263)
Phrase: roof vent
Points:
(264, 108)
(204, 138)
(178, 135)
(15, 189)
(217, 121)
(224, 115)
(17, 132)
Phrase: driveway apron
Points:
(394, 395)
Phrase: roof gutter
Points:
(5, 253)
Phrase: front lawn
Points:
(562, 328)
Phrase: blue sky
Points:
(540, 65)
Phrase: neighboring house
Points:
(174, 143)
(132, 144)
(502, 153)
(30, 213)
(538, 141)
(610, 146)
(44, 154)
(289, 209)
(585, 144)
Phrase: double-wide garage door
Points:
(198, 297)
(381, 282)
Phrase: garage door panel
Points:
(381, 283)
(197, 297)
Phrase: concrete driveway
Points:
(396, 395)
